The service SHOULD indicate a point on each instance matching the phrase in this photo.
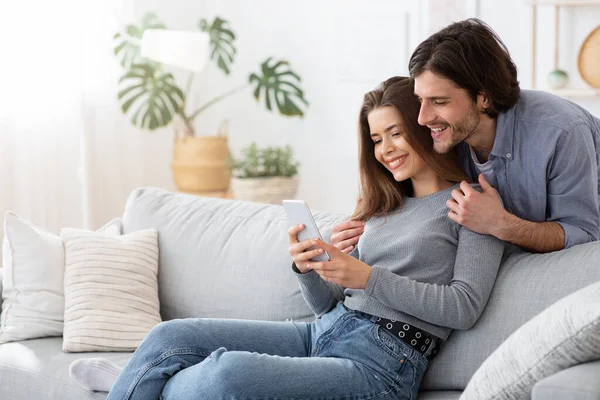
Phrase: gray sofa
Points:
(225, 258)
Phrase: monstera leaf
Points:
(152, 99)
(221, 42)
(127, 43)
(153, 95)
(279, 83)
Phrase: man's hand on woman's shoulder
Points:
(345, 235)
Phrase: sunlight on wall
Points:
(40, 68)
(55, 57)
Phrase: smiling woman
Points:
(56, 74)
(393, 149)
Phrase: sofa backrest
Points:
(221, 258)
(228, 259)
(526, 284)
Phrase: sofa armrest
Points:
(580, 382)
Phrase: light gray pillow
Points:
(565, 334)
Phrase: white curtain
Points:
(62, 136)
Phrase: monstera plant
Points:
(152, 98)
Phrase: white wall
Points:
(341, 49)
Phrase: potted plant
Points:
(152, 98)
(265, 175)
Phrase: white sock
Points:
(95, 373)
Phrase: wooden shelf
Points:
(564, 3)
(557, 4)
(576, 92)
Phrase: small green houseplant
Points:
(266, 175)
(152, 98)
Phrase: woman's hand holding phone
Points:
(299, 250)
(342, 269)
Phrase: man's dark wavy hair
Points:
(472, 55)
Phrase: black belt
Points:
(416, 338)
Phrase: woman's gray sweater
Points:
(428, 270)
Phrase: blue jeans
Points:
(342, 355)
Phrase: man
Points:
(537, 151)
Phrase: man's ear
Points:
(483, 102)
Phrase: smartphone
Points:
(299, 213)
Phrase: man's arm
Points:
(540, 237)
(572, 185)
(482, 212)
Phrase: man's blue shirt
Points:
(546, 164)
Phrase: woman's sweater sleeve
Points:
(321, 296)
(457, 305)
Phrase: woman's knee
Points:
(229, 372)
(175, 332)
(220, 375)
(214, 378)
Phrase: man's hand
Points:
(480, 212)
(345, 235)
(344, 270)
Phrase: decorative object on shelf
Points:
(589, 59)
(265, 175)
(558, 79)
(153, 99)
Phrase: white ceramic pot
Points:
(558, 79)
(272, 190)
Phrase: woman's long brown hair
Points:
(379, 192)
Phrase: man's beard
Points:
(463, 130)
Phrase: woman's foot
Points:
(95, 373)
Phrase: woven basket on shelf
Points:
(270, 190)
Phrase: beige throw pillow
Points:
(565, 334)
(111, 289)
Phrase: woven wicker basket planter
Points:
(270, 190)
(201, 164)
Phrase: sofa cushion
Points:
(526, 284)
(1, 275)
(111, 290)
(440, 395)
(579, 382)
(38, 369)
(221, 258)
(565, 334)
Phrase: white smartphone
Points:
(299, 213)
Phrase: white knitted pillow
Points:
(565, 334)
(111, 289)
(32, 287)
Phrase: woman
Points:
(382, 310)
